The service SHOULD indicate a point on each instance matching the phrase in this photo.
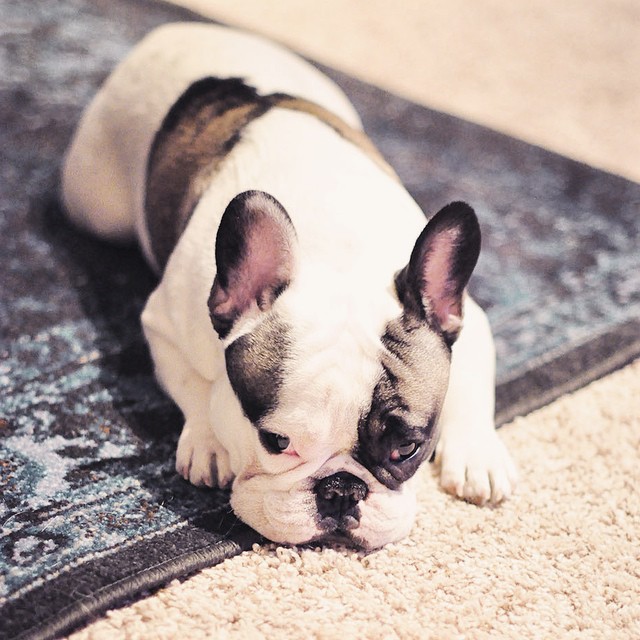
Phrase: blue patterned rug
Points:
(92, 512)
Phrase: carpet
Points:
(92, 511)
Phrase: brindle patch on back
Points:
(198, 132)
(196, 136)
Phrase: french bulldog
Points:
(307, 322)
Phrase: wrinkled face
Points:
(337, 426)
(334, 385)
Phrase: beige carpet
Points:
(562, 558)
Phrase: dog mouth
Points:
(340, 538)
(341, 503)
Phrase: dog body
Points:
(307, 336)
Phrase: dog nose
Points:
(337, 499)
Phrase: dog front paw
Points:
(201, 459)
(476, 469)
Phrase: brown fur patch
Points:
(196, 136)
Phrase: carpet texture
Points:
(92, 512)
(559, 560)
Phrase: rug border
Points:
(202, 550)
(567, 370)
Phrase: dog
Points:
(308, 322)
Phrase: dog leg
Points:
(200, 457)
(474, 464)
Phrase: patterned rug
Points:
(92, 512)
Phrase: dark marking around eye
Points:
(404, 404)
(393, 379)
(256, 366)
(395, 343)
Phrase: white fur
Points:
(353, 235)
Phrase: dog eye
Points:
(274, 442)
(404, 452)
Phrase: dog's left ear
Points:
(432, 285)
(255, 255)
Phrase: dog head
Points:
(333, 391)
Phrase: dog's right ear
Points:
(255, 258)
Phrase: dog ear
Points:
(255, 255)
(432, 285)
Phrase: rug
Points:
(92, 512)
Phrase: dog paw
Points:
(201, 459)
(476, 469)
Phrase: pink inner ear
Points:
(267, 265)
(438, 294)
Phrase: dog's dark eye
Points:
(404, 452)
(274, 442)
